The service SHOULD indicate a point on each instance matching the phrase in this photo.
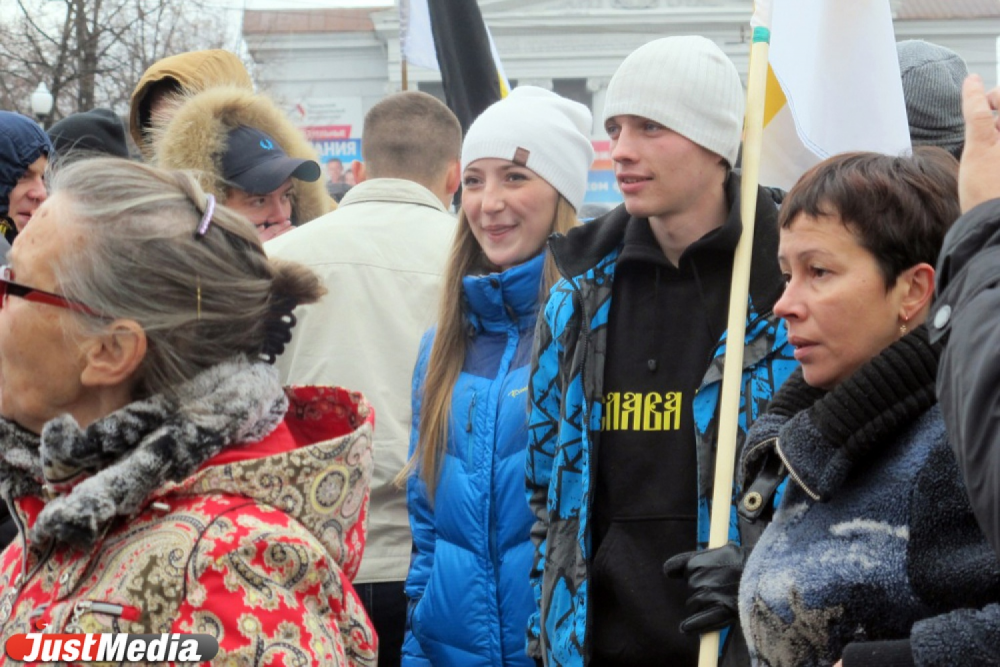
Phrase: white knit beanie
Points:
(686, 84)
(540, 130)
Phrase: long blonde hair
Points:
(450, 343)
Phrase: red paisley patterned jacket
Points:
(257, 548)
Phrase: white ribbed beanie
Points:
(686, 84)
(544, 132)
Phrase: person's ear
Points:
(359, 171)
(453, 178)
(113, 357)
(917, 285)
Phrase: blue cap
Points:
(256, 163)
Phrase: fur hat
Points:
(540, 130)
(686, 84)
(932, 89)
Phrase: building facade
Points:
(335, 64)
(328, 67)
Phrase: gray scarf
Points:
(108, 469)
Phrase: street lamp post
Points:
(41, 103)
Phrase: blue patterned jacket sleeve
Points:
(543, 430)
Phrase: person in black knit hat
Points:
(95, 132)
(873, 556)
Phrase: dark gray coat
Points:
(968, 383)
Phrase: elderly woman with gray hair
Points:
(161, 479)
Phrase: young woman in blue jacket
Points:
(524, 175)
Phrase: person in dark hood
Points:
(628, 366)
(24, 154)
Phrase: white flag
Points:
(833, 84)
(416, 40)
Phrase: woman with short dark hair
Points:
(873, 556)
(161, 479)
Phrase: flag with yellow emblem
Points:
(833, 84)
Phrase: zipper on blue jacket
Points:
(472, 410)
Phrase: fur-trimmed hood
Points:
(194, 71)
(195, 139)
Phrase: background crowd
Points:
(375, 432)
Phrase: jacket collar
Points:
(496, 299)
(969, 260)
(392, 190)
(583, 247)
(316, 466)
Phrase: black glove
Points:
(714, 574)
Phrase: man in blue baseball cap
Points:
(249, 154)
(260, 177)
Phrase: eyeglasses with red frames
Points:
(10, 288)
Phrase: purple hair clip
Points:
(206, 219)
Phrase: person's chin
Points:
(504, 258)
(818, 375)
(638, 206)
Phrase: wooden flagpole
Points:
(725, 456)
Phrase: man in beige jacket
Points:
(381, 255)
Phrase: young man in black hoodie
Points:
(628, 369)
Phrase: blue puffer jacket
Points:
(468, 583)
(566, 409)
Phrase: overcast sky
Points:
(314, 4)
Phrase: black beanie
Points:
(94, 131)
